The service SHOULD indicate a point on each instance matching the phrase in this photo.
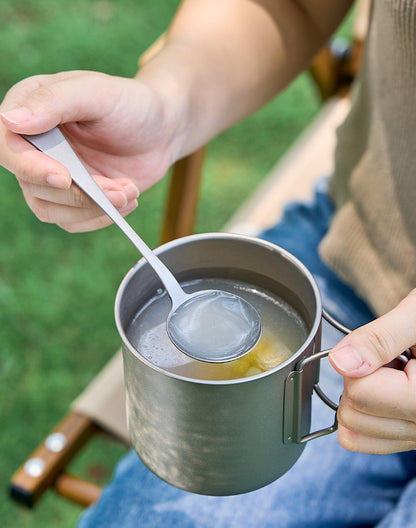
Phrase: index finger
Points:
(386, 392)
(29, 164)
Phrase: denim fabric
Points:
(328, 487)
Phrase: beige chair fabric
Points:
(103, 400)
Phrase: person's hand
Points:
(117, 126)
(377, 412)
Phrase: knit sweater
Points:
(372, 240)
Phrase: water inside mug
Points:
(284, 331)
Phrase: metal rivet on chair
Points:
(34, 467)
(55, 442)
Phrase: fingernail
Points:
(58, 180)
(346, 359)
(131, 191)
(17, 116)
(117, 198)
(131, 206)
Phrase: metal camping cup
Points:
(232, 436)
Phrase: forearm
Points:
(224, 59)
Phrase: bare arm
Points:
(223, 59)
(226, 58)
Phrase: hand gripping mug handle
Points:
(292, 424)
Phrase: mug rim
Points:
(226, 236)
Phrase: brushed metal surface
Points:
(217, 437)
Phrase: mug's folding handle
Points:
(292, 421)
(292, 424)
(293, 395)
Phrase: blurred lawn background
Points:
(57, 290)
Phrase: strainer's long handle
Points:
(54, 144)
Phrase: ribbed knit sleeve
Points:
(372, 240)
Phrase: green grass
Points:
(56, 289)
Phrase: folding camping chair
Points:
(101, 407)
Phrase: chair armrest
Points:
(47, 462)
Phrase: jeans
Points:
(328, 487)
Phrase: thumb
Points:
(39, 103)
(377, 343)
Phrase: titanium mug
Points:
(230, 436)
